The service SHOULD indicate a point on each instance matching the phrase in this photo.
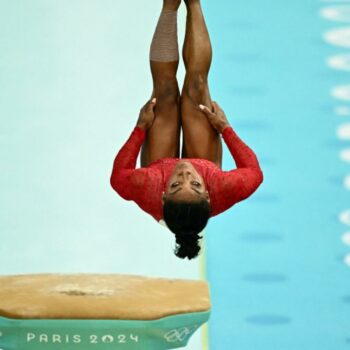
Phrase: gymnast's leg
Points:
(200, 139)
(163, 138)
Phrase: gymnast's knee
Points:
(166, 91)
(195, 86)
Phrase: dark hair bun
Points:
(187, 245)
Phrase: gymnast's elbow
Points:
(256, 179)
(118, 186)
(114, 183)
(259, 177)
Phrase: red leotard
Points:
(145, 185)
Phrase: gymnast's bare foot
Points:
(171, 4)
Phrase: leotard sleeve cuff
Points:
(228, 132)
(140, 131)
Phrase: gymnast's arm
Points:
(125, 179)
(124, 173)
(248, 176)
(230, 187)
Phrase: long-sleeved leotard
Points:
(145, 185)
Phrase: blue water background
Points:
(276, 261)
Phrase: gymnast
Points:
(183, 192)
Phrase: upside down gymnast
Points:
(183, 191)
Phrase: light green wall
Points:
(73, 77)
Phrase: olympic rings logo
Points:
(179, 334)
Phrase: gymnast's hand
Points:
(147, 115)
(217, 117)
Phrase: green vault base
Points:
(166, 333)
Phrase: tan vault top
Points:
(99, 296)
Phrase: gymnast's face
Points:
(185, 183)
